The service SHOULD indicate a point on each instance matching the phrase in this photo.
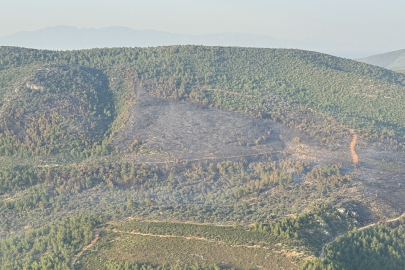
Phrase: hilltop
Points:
(391, 60)
(63, 37)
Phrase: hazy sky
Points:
(356, 25)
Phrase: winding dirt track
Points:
(207, 240)
(322, 255)
(355, 157)
(228, 92)
(360, 229)
(97, 233)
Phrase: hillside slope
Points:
(295, 146)
(357, 95)
(58, 107)
(392, 60)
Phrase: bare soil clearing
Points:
(189, 131)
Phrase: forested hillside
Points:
(57, 108)
(355, 94)
(49, 247)
(195, 157)
(380, 247)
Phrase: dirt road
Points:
(96, 235)
(208, 240)
(228, 92)
(355, 157)
(360, 229)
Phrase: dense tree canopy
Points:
(379, 247)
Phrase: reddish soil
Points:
(355, 157)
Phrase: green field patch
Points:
(155, 250)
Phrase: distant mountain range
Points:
(72, 38)
(392, 60)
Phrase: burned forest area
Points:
(193, 157)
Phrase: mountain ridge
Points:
(69, 37)
(72, 38)
(394, 60)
